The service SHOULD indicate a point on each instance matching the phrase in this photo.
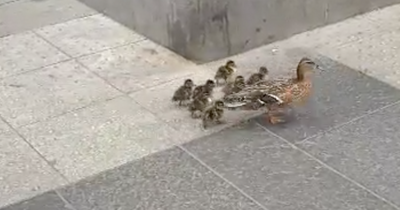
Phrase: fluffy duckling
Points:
(213, 114)
(225, 72)
(234, 87)
(208, 88)
(199, 104)
(184, 92)
(256, 77)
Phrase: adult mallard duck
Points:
(275, 94)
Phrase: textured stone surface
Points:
(168, 180)
(23, 172)
(47, 201)
(87, 35)
(22, 15)
(366, 150)
(51, 91)
(277, 175)
(24, 52)
(99, 137)
(137, 66)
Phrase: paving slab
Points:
(99, 137)
(377, 56)
(366, 150)
(277, 175)
(46, 201)
(167, 180)
(137, 66)
(88, 35)
(51, 91)
(24, 15)
(24, 52)
(23, 172)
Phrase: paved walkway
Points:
(86, 120)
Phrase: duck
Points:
(262, 74)
(237, 85)
(225, 72)
(276, 94)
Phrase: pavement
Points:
(87, 122)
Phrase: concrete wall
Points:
(206, 30)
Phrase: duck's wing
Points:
(253, 93)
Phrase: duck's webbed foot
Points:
(274, 112)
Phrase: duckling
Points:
(199, 104)
(278, 93)
(207, 87)
(225, 72)
(213, 114)
(234, 87)
(184, 92)
(256, 77)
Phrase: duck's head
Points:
(219, 104)
(210, 84)
(230, 64)
(263, 70)
(306, 68)
(239, 79)
(188, 83)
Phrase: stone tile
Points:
(137, 66)
(46, 201)
(277, 175)
(23, 172)
(51, 91)
(376, 56)
(88, 35)
(158, 100)
(340, 94)
(99, 137)
(23, 15)
(24, 52)
(167, 180)
(367, 151)
(366, 26)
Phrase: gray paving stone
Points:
(23, 15)
(366, 150)
(341, 94)
(137, 66)
(23, 173)
(88, 35)
(99, 137)
(51, 91)
(24, 52)
(277, 175)
(167, 180)
(46, 201)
